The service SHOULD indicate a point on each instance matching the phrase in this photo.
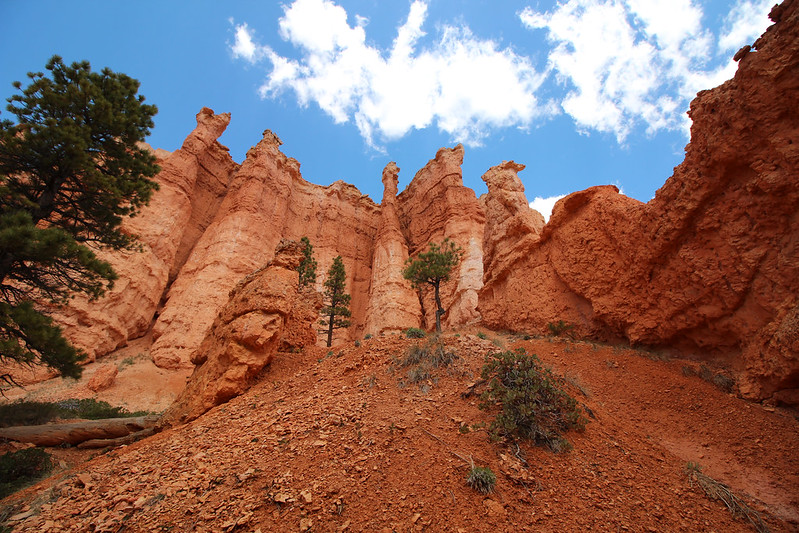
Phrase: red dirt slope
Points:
(332, 443)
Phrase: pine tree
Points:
(307, 268)
(336, 310)
(70, 169)
(431, 268)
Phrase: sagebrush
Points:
(532, 402)
(481, 479)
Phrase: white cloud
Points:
(464, 85)
(744, 23)
(243, 46)
(545, 205)
(630, 62)
(619, 64)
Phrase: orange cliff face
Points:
(192, 182)
(436, 205)
(267, 200)
(709, 268)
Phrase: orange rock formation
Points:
(393, 304)
(709, 267)
(435, 206)
(192, 181)
(267, 200)
(265, 310)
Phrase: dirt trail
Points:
(333, 443)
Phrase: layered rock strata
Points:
(436, 205)
(265, 310)
(710, 266)
(267, 200)
(191, 183)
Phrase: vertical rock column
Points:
(436, 205)
(393, 304)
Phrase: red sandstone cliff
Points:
(192, 181)
(435, 206)
(711, 265)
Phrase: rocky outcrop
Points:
(435, 206)
(393, 304)
(267, 200)
(264, 310)
(509, 217)
(710, 266)
(191, 183)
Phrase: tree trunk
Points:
(330, 329)
(77, 432)
(439, 310)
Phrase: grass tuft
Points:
(415, 333)
(481, 479)
(422, 360)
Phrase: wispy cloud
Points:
(464, 85)
(243, 46)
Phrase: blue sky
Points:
(583, 92)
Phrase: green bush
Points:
(22, 413)
(367, 336)
(481, 335)
(21, 468)
(532, 402)
(415, 333)
(481, 479)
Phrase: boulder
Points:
(264, 310)
(103, 377)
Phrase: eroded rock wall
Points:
(710, 266)
(267, 200)
(167, 229)
(436, 205)
(265, 310)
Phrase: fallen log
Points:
(128, 439)
(76, 432)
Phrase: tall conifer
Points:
(337, 304)
(71, 167)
